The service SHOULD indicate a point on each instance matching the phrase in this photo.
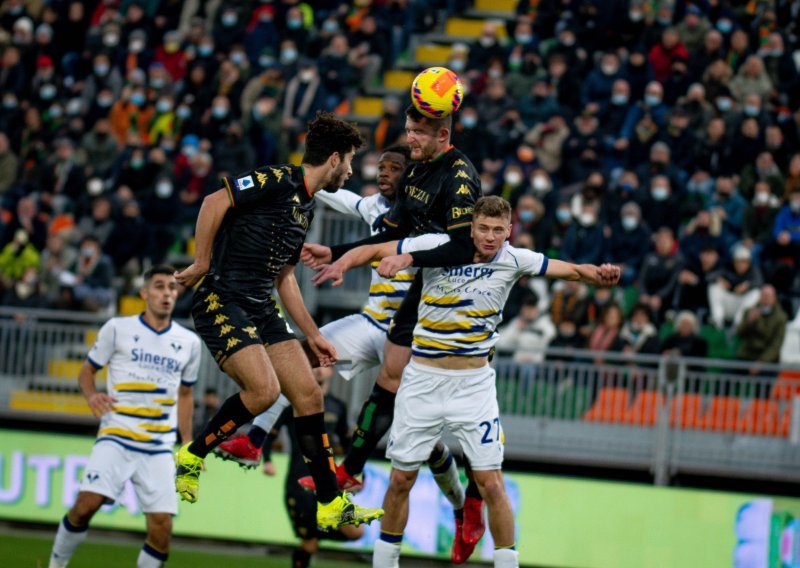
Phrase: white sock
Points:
(445, 473)
(267, 419)
(149, 557)
(506, 558)
(385, 555)
(68, 538)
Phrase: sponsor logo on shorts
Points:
(245, 183)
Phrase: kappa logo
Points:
(262, 179)
(462, 174)
(463, 190)
(459, 162)
(277, 173)
(245, 183)
(92, 476)
(176, 346)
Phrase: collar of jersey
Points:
(440, 156)
(151, 328)
(305, 184)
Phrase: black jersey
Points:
(262, 232)
(436, 196)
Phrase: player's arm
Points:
(212, 212)
(99, 402)
(603, 275)
(353, 258)
(394, 226)
(289, 290)
(185, 413)
(343, 201)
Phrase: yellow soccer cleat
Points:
(187, 474)
(341, 511)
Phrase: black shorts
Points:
(226, 327)
(301, 506)
(401, 328)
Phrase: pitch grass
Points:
(34, 552)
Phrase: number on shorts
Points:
(487, 433)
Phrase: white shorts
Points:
(432, 399)
(356, 340)
(152, 475)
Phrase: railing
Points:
(665, 415)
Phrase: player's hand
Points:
(315, 256)
(269, 469)
(608, 274)
(391, 265)
(100, 403)
(333, 272)
(191, 275)
(323, 349)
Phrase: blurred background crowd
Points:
(660, 135)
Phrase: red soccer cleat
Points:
(474, 527)
(461, 549)
(345, 481)
(241, 450)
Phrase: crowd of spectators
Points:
(660, 135)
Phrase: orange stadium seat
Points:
(787, 386)
(684, 411)
(762, 418)
(610, 405)
(722, 414)
(644, 409)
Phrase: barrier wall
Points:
(561, 522)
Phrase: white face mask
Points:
(369, 171)
(513, 178)
(163, 189)
(761, 198)
(587, 219)
(540, 184)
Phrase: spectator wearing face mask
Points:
(759, 218)
(701, 232)
(762, 329)
(652, 106)
(694, 279)
(659, 275)
(597, 87)
(660, 206)
(303, 97)
(729, 206)
(583, 243)
(529, 218)
(235, 154)
(485, 48)
(548, 139)
(132, 113)
(527, 336)
(215, 120)
(89, 282)
(469, 134)
(752, 78)
(98, 150)
(763, 170)
(629, 242)
(228, 28)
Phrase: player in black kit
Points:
(437, 195)
(256, 226)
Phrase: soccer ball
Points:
(437, 92)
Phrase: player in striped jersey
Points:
(152, 365)
(448, 383)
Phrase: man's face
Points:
(390, 171)
(341, 173)
(422, 139)
(489, 234)
(160, 294)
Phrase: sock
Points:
(257, 436)
(300, 558)
(149, 557)
(506, 558)
(445, 473)
(68, 538)
(267, 419)
(473, 491)
(385, 554)
(374, 421)
(318, 455)
(225, 422)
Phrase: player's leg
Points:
(386, 553)
(104, 477)
(156, 546)
(501, 517)
(151, 481)
(445, 473)
(245, 449)
(377, 413)
(298, 384)
(474, 526)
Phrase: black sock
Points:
(472, 487)
(225, 422)
(300, 558)
(257, 436)
(374, 421)
(318, 455)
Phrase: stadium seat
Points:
(432, 54)
(37, 401)
(644, 409)
(610, 405)
(785, 421)
(368, 106)
(685, 410)
(761, 418)
(471, 28)
(295, 158)
(68, 369)
(130, 305)
(398, 79)
(787, 386)
(509, 6)
(571, 402)
(722, 414)
(90, 337)
(190, 247)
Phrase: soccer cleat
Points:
(474, 526)
(344, 480)
(55, 563)
(340, 511)
(461, 549)
(187, 474)
(240, 450)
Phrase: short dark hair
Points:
(492, 206)
(437, 123)
(165, 269)
(404, 151)
(328, 135)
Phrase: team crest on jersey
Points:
(463, 190)
(245, 183)
(92, 476)
(462, 174)
(176, 346)
(459, 162)
(262, 179)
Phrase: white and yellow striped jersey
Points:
(461, 306)
(385, 294)
(145, 369)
